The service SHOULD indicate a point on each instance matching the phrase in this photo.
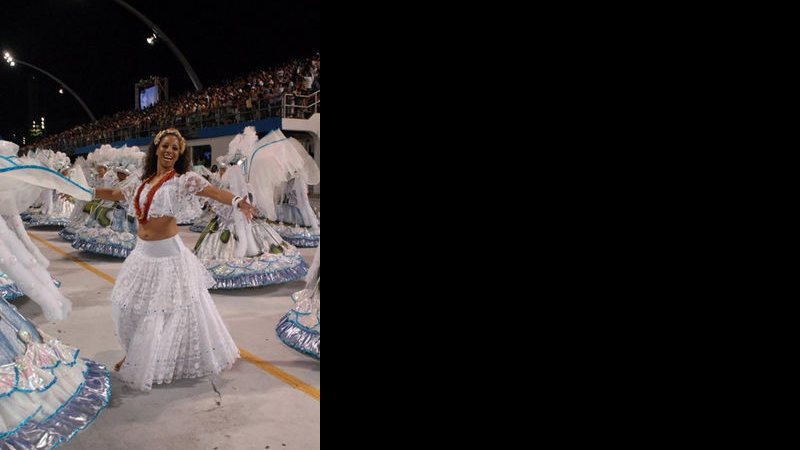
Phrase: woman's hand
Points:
(114, 195)
(247, 209)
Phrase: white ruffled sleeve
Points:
(129, 188)
(191, 183)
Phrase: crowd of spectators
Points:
(256, 96)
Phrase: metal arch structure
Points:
(64, 85)
(161, 35)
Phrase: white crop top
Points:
(171, 197)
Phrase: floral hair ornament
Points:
(173, 132)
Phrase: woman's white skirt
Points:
(166, 321)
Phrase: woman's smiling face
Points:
(168, 151)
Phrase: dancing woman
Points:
(165, 318)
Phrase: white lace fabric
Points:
(165, 318)
(173, 196)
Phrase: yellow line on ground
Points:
(76, 260)
(291, 380)
(268, 367)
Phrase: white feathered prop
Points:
(21, 181)
(270, 163)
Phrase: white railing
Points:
(301, 106)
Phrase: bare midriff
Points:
(158, 228)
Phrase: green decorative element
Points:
(102, 216)
(225, 236)
(90, 206)
(275, 249)
(212, 227)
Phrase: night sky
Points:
(98, 48)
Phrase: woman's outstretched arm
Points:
(109, 194)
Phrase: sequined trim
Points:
(75, 415)
(10, 292)
(117, 251)
(298, 236)
(39, 221)
(198, 228)
(299, 338)
(256, 279)
(302, 242)
(67, 233)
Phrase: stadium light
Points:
(13, 62)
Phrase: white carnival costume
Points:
(242, 254)
(50, 209)
(279, 170)
(110, 229)
(300, 327)
(47, 393)
(79, 212)
(165, 318)
(8, 288)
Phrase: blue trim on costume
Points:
(117, 251)
(16, 383)
(247, 165)
(67, 233)
(300, 325)
(286, 324)
(48, 221)
(22, 424)
(13, 292)
(258, 279)
(52, 370)
(74, 358)
(107, 375)
(58, 363)
(71, 397)
(66, 421)
(300, 349)
(28, 391)
(302, 242)
(10, 292)
(11, 159)
(295, 320)
(46, 169)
